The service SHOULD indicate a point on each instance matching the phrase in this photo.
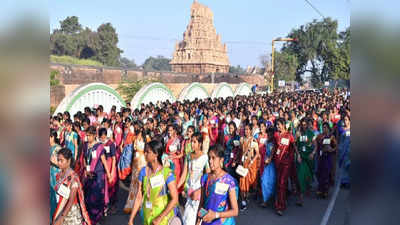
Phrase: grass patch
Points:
(65, 59)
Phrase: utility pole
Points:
(272, 58)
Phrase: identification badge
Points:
(304, 148)
(236, 143)
(285, 141)
(278, 151)
(232, 155)
(88, 168)
(157, 181)
(118, 130)
(64, 191)
(107, 148)
(337, 116)
(326, 141)
(262, 140)
(172, 148)
(212, 122)
(149, 205)
(93, 155)
(253, 144)
(221, 188)
(196, 166)
(347, 133)
(242, 171)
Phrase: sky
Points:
(152, 27)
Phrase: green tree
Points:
(285, 66)
(316, 45)
(127, 63)
(238, 69)
(128, 89)
(70, 25)
(159, 63)
(107, 50)
(53, 78)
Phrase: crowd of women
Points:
(198, 162)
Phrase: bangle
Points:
(217, 215)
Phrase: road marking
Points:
(328, 211)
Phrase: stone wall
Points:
(72, 76)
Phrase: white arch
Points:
(243, 89)
(90, 95)
(223, 90)
(152, 93)
(192, 91)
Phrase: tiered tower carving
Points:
(201, 50)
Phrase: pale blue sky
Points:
(150, 28)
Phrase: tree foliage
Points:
(320, 51)
(285, 66)
(128, 89)
(159, 63)
(72, 40)
(236, 69)
(127, 63)
(53, 78)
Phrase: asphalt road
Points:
(310, 213)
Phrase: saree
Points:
(94, 187)
(125, 160)
(218, 202)
(262, 140)
(53, 172)
(324, 165)
(231, 153)
(77, 214)
(344, 156)
(173, 149)
(249, 163)
(193, 183)
(112, 187)
(155, 199)
(268, 177)
(306, 167)
(139, 162)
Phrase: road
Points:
(310, 214)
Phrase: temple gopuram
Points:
(201, 50)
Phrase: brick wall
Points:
(72, 76)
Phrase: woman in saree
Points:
(305, 142)
(249, 162)
(112, 185)
(193, 169)
(187, 142)
(219, 192)
(97, 173)
(157, 194)
(118, 130)
(344, 153)
(54, 169)
(139, 162)
(71, 208)
(125, 161)
(71, 139)
(268, 176)
(326, 147)
(232, 149)
(204, 129)
(174, 151)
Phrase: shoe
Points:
(244, 206)
(279, 212)
(264, 204)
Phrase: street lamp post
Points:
(272, 58)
